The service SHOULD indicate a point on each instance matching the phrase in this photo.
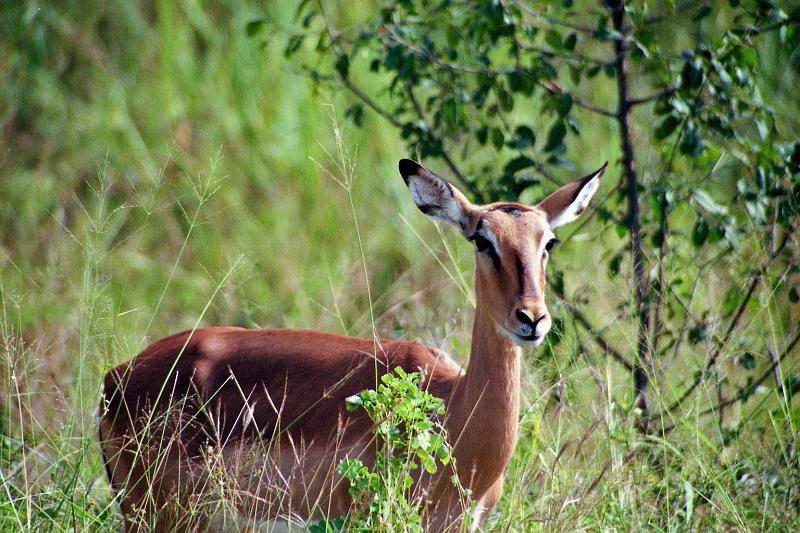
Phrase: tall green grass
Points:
(157, 171)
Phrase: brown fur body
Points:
(230, 387)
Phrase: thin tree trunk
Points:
(640, 376)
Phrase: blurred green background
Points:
(159, 168)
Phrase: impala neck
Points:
(484, 409)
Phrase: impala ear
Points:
(436, 197)
(568, 202)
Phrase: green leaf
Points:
(792, 385)
(575, 73)
(555, 136)
(517, 164)
(254, 27)
(452, 35)
(691, 144)
(429, 463)
(342, 66)
(505, 99)
(666, 127)
(523, 138)
(497, 138)
(564, 104)
(294, 44)
(352, 403)
(703, 13)
(553, 38)
(680, 106)
(747, 360)
(482, 134)
(614, 264)
(454, 113)
(570, 42)
(708, 203)
(355, 113)
(763, 129)
(692, 74)
(749, 56)
(697, 334)
(700, 232)
(521, 82)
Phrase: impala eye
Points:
(485, 246)
(482, 243)
(550, 244)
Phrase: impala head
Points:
(512, 243)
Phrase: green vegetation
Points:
(408, 436)
(166, 164)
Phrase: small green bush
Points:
(408, 434)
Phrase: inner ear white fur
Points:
(434, 196)
(578, 205)
(568, 202)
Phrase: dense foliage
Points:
(709, 178)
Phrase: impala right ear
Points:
(568, 202)
(435, 196)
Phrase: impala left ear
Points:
(568, 202)
(436, 197)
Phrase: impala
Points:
(269, 404)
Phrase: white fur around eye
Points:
(546, 237)
(487, 233)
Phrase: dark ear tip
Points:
(597, 173)
(408, 168)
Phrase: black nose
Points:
(526, 318)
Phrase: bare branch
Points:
(361, 95)
(596, 336)
(683, 8)
(598, 379)
(577, 101)
(752, 30)
(596, 482)
(652, 97)
(552, 20)
(687, 307)
(747, 392)
(757, 275)
(658, 316)
(570, 57)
